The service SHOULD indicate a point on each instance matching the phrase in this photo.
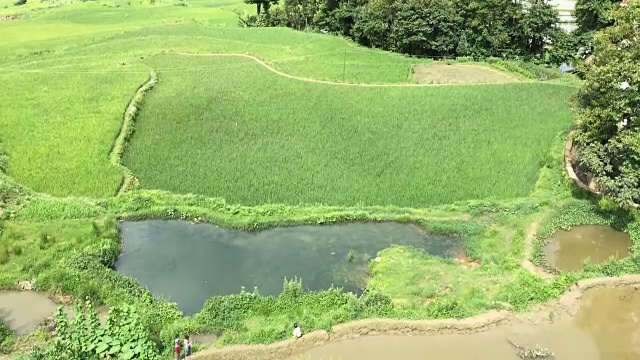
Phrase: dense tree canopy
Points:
(592, 15)
(262, 4)
(434, 28)
(608, 138)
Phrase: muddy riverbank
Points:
(576, 318)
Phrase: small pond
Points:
(567, 250)
(23, 311)
(188, 263)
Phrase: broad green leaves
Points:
(123, 336)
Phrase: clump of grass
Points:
(4, 255)
(351, 255)
(45, 241)
(17, 250)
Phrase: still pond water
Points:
(188, 263)
(568, 249)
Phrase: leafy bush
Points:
(20, 2)
(609, 109)
(123, 336)
(4, 255)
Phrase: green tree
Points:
(426, 27)
(374, 22)
(463, 48)
(491, 27)
(591, 15)
(538, 26)
(262, 5)
(608, 137)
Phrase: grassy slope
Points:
(254, 137)
(60, 130)
(78, 50)
(78, 56)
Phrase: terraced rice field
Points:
(228, 127)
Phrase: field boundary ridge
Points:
(126, 131)
(568, 303)
(328, 82)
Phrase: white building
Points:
(565, 12)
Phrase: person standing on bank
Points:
(297, 333)
(177, 348)
(187, 346)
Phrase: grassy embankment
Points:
(70, 82)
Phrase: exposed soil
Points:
(459, 74)
(489, 345)
(9, 17)
(204, 339)
(503, 324)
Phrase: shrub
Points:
(123, 336)
(6, 337)
(4, 255)
(609, 108)
(20, 2)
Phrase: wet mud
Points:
(490, 345)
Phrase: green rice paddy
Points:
(241, 144)
(228, 127)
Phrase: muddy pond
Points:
(188, 263)
(23, 311)
(568, 249)
(606, 328)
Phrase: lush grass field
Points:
(68, 72)
(254, 137)
(228, 127)
(58, 128)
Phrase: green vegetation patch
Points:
(578, 212)
(253, 137)
(6, 337)
(58, 128)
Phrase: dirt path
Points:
(528, 249)
(300, 78)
